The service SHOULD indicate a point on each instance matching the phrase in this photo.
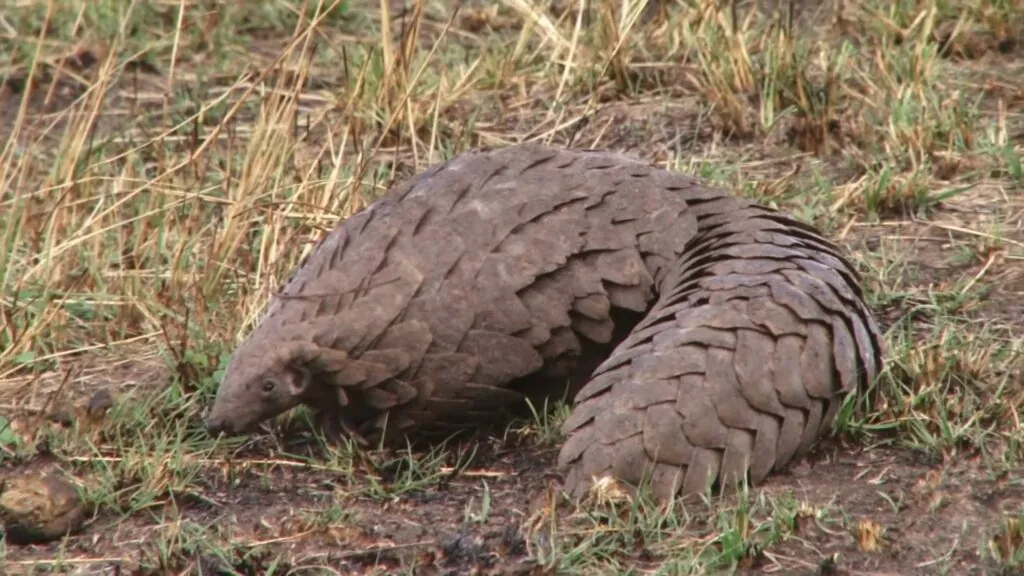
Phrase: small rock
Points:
(63, 415)
(40, 507)
(99, 403)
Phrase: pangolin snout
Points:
(218, 424)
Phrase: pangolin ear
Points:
(298, 380)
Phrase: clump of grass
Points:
(947, 390)
(615, 530)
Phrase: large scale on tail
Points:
(705, 337)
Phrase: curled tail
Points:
(758, 332)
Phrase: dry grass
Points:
(164, 165)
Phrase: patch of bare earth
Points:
(879, 511)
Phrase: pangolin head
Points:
(259, 383)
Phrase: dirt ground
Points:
(909, 516)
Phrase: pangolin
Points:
(701, 337)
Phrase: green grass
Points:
(163, 167)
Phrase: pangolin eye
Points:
(269, 385)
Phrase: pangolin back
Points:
(712, 337)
